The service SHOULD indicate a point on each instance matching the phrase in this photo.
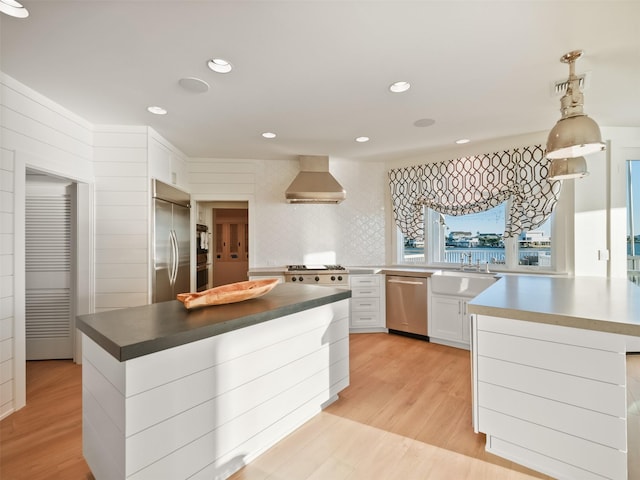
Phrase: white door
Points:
(49, 313)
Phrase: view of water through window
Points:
(477, 239)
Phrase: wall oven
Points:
(202, 257)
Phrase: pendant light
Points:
(575, 134)
(567, 168)
(13, 9)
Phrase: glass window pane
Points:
(413, 251)
(475, 238)
(534, 247)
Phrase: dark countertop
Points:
(133, 332)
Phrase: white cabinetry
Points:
(367, 304)
(165, 163)
(449, 320)
(204, 409)
(551, 397)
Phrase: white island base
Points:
(552, 398)
(204, 409)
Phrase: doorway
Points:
(49, 257)
(231, 245)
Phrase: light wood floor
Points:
(43, 440)
(406, 415)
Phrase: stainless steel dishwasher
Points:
(406, 299)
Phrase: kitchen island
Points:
(549, 372)
(171, 393)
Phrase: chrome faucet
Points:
(464, 264)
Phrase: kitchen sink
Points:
(468, 284)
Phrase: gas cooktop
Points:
(315, 268)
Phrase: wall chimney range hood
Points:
(314, 183)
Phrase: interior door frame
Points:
(221, 197)
(83, 227)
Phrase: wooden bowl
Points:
(231, 293)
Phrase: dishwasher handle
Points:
(406, 282)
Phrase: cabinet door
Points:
(446, 318)
(466, 322)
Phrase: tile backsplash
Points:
(350, 233)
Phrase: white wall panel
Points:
(121, 285)
(110, 301)
(122, 184)
(39, 134)
(120, 212)
(107, 136)
(7, 318)
(31, 104)
(121, 271)
(113, 240)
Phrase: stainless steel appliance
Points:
(202, 257)
(335, 275)
(171, 233)
(406, 299)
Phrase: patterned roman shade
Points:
(476, 184)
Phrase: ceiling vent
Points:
(314, 183)
(560, 87)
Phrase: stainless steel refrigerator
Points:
(171, 243)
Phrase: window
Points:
(478, 239)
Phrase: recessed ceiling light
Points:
(362, 139)
(219, 65)
(269, 135)
(462, 141)
(194, 85)
(157, 110)
(424, 122)
(399, 87)
(13, 9)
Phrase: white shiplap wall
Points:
(6, 282)
(350, 233)
(122, 209)
(37, 134)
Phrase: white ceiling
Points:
(317, 72)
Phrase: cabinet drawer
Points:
(364, 281)
(365, 304)
(365, 292)
(366, 320)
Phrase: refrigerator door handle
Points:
(174, 258)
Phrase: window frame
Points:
(560, 241)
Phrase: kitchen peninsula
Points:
(549, 372)
(172, 393)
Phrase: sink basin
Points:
(467, 284)
(460, 273)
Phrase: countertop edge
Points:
(605, 326)
(145, 347)
(588, 303)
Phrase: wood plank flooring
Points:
(43, 440)
(406, 415)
